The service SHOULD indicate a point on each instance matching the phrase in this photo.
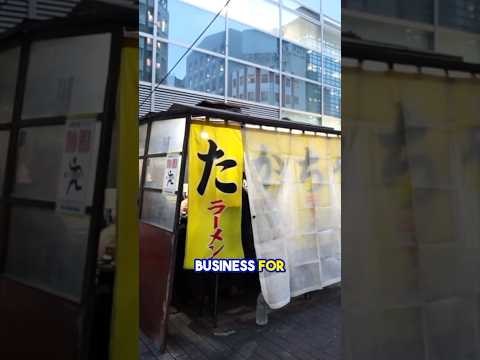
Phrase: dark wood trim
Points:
(10, 168)
(364, 50)
(43, 121)
(158, 155)
(103, 160)
(189, 110)
(39, 204)
(173, 255)
(150, 189)
(144, 169)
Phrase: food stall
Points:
(212, 155)
(69, 93)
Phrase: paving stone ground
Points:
(306, 329)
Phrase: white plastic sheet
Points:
(294, 194)
(411, 222)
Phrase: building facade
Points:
(449, 27)
(279, 58)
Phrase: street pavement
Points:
(307, 329)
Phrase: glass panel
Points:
(299, 30)
(302, 62)
(48, 250)
(155, 172)
(9, 60)
(167, 136)
(453, 43)
(258, 14)
(302, 118)
(142, 136)
(145, 16)
(332, 122)
(159, 209)
(464, 15)
(315, 4)
(332, 102)
(252, 45)
(4, 137)
(332, 9)
(210, 5)
(38, 162)
(253, 84)
(389, 33)
(312, 10)
(184, 30)
(140, 168)
(67, 76)
(420, 10)
(197, 71)
(301, 95)
(332, 52)
(145, 58)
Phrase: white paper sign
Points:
(77, 179)
(172, 172)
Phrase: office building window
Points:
(185, 30)
(145, 58)
(301, 31)
(332, 56)
(258, 14)
(268, 40)
(145, 16)
(249, 44)
(332, 9)
(262, 86)
(464, 45)
(299, 6)
(418, 10)
(301, 95)
(303, 118)
(389, 33)
(197, 71)
(300, 61)
(332, 103)
(463, 15)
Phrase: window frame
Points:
(106, 118)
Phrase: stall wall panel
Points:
(48, 250)
(156, 251)
(39, 156)
(42, 283)
(24, 309)
(411, 219)
(79, 77)
(4, 140)
(9, 60)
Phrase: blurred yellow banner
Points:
(215, 177)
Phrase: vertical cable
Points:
(227, 52)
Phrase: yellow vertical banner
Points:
(215, 178)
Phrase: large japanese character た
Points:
(209, 158)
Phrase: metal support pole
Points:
(215, 301)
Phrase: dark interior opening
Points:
(194, 293)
